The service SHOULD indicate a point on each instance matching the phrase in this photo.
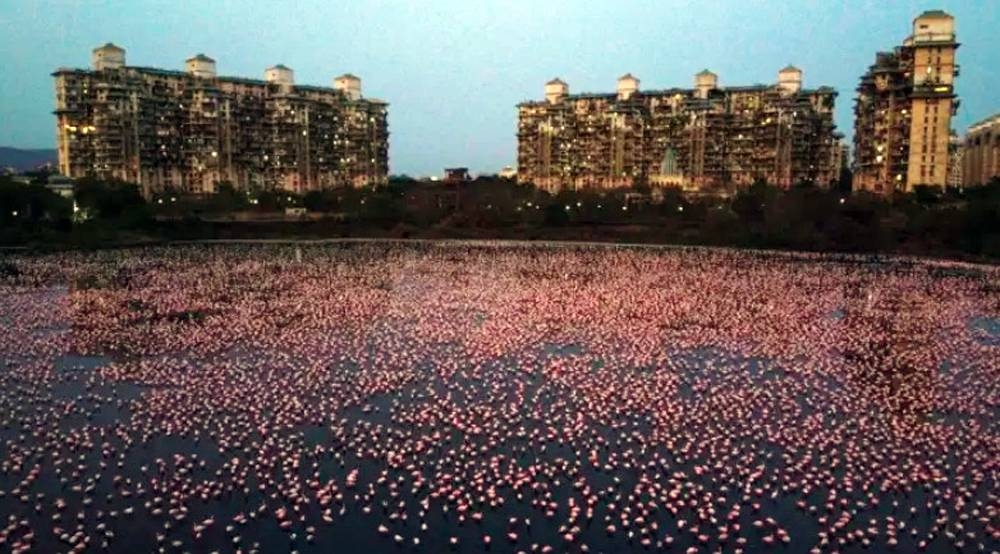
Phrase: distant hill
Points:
(26, 159)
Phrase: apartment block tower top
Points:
(556, 90)
(349, 85)
(705, 81)
(108, 56)
(201, 66)
(933, 27)
(627, 86)
(790, 79)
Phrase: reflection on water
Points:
(987, 330)
(76, 363)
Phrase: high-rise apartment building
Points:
(707, 138)
(956, 151)
(903, 110)
(191, 130)
(981, 152)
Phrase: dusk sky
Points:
(454, 70)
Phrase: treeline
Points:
(953, 223)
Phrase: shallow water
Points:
(988, 330)
(434, 377)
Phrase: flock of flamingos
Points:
(492, 397)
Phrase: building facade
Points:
(707, 138)
(192, 130)
(981, 152)
(903, 110)
(956, 152)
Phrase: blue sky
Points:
(453, 70)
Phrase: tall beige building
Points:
(707, 138)
(903, 110)
(192, 130)
(981, 152)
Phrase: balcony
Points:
(933, 90)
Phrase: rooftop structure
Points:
(456, 174)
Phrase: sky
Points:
(454, 70)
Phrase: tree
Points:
(845, 181)
(317, 201)
(227, 198)
(31, 209)
(673, 202)
(722, 226)
(980, 220)
(108, 199)
(925, 195)
(276, 200)
(556, 214)
(749, 203)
